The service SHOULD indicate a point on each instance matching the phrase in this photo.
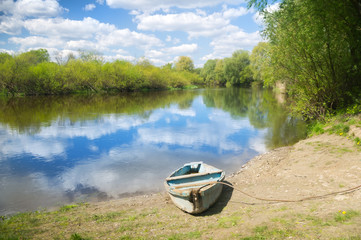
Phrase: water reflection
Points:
(55, 150)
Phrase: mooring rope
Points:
(298, 200)
(269, 199)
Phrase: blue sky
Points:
(159, 30)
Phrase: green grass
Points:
(181, 236)
(66, 208)
(265, 232)
(345, 216)
(76, 236)
(229, 221)
(112, 216)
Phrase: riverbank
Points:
(316, 166)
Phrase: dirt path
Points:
(315, 166)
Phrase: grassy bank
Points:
(346, 125)
(125, 220)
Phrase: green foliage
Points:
(353, 109)
(208, 71)
(233, 71)
(31, 73)
(234, 68)
(184, 64)
(34, 57)
(260, 64)
(315, 48)
(339, 129)
(316, 128)
(4, 56)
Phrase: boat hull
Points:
(197, 192)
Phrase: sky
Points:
(158, 30)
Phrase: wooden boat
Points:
(194, 187)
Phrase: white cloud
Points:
(101, 2)
(38, 8)
(7, 6)
(35, 41)
(11, 22)
(147, 5)
(85, 45)
(225, 45)
(119, 57)
(207, 25)
(173, 39)
(234, 12)
(31, 8)
(10, 25)
(125, 37)
(165, 55)
(182, 49)
(188, 22)
(89, 33)
(89, 7)
(66, 28)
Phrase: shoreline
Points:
(315, 166)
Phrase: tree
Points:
(219, 72)
(89, 56)
(316, 51)
(233, 67)
(184, 64)
(208, 73)
(4, 56)
(34, 57)
(168, 66)
(260, 63)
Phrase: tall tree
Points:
(208, 73)
(316, 51)
(261, 63)
(184, 64)
(234, 66)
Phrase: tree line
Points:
(32, 73)
(232, 71)
(314, 48)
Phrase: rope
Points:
(269, 199)
(298, 200)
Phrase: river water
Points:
(58, 150)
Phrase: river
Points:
(62, 149)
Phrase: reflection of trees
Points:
(262, 110)
(28, 114)
(233, 100)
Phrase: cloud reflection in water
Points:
(114, 154)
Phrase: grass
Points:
(86, 222)
(339, 124)
(76, 236)
(229, 221)
(345, 216)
